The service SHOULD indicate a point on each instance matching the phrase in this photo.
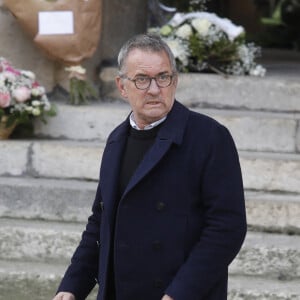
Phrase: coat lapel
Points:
(110, 167)
(171, 132)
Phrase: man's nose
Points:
(153, 88)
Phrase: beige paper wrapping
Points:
(69, 49)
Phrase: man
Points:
(169, 213)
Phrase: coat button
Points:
(156, 245)
(157, 283)
(160, 206)
(98, 244)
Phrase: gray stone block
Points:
(38, 241)
(253, 131)
(71, 201)
(271, 172)
(269, 255)
(271, 93)
(261, 171)
(92, 122)
(14, 157)
(46, 199)
(258, 131)
(241, 92)
(273, 212)
(27, 280)
(257, 288)
(67, 159)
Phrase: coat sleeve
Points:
(81, 275)
(224, 230)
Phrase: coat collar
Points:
(172, 129)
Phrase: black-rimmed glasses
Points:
(143, 82)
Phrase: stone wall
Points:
(120, 20)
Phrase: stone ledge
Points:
(269, 255)
(253, 131)
(271, 93)
(273, 212)
(81, 160)
(71, 201)
(14, 157)
(38, 241)
(46, 199)
(27, 280)
(271, 172)
(257, 288)
(266, 255)
(67, 160)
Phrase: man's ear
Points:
(121, 87)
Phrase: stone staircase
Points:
(47, 184)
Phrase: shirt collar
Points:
(147, 127)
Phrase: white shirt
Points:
(147, 127)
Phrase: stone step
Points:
(270, 93)
(46, 199)
(71, 201)
(271, 171)
(81, 160)
(27, 280)
(39, 281)
(272, 212)
(252, 131)
(38, 241)
(256, 288)
(274, 256)
(271, 255)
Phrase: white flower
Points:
(29, 108)
(232, 30)
(36, 111)
(47, 106)
(201, 26)
(38, 91)
(76, 69)
(2, 81)
(180, 50)
(9, 76)
(36, 103)
(184, 31)
(28, 74)
(258, 71)
(165, 30)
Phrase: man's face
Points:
(153, 103)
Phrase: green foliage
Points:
(81, 91)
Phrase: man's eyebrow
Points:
(145, 75)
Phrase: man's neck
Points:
(147, 126)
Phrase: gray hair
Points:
(147, 42)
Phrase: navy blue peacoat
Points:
(179, 223)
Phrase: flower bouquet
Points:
(22, 98)
(80, 88)
(202, 41)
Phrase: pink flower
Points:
(12, 70)
(4, 99)
(21, 94)
(35, 84)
